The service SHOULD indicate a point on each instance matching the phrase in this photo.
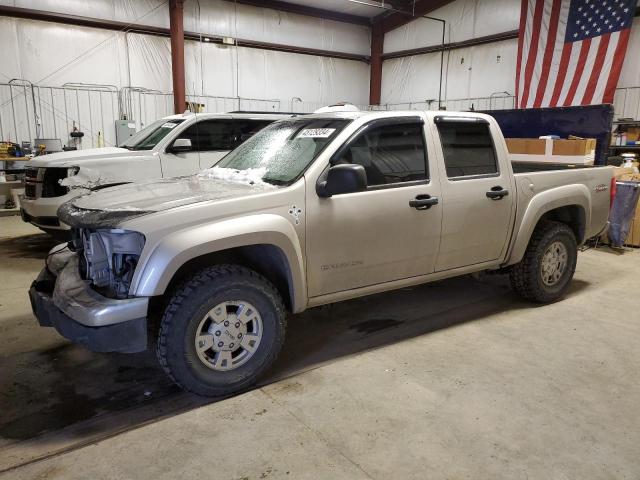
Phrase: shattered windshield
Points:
(285, 148)
(148, 137)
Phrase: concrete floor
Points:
(457, 379)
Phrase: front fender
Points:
(158, 268)
(542, 203)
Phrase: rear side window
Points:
(210, 135)
(245, 129)
(468, 149)
(389, 153)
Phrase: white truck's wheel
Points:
(221, 330)
(544, 273)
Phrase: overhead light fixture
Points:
(228, 40)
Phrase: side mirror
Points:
(343, 178)
(181, 145)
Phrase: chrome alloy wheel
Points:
(554, 263)
(229, 335)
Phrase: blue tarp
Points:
(622, 211)
(590, 121)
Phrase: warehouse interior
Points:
(387, 369)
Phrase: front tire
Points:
(544, 273)
(222, 329)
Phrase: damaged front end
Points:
(108, 258)
(83, 292)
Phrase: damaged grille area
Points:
(51, 182)
(108, 259)
(45, 182)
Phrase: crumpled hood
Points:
(76, 157)
(102, 207)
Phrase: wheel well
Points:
(267, 260)
(571, 215)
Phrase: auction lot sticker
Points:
(316, 132)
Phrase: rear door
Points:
(477, 194)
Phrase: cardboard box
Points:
(526, 146)
(633, 134)
(579, 151)
(586, 146)
(633, 238)
(620, 171)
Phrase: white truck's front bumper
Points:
(43, 212)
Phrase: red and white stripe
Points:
(553, 73)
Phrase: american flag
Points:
(570, 52)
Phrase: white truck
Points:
(172, 146)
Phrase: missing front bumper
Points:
(128, 336)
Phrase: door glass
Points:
(468, 149)
(389, 153)
(245, 129)
(210, 135)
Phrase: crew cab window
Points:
(245, 129)
(389, 153)
(210, 135)
(468, 149)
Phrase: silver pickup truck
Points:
(311, 210)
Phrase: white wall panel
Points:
(468, 72)
(465, 19)
(218, 17)
(146, 12)
(150, 62)
(52, 54)
(263, 24)
(10, 67)
(415, 78)
(210, 69)
(493, 68)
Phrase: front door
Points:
(210, 141)
(478, 198)
(359, 239)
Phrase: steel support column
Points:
(375, 79)
(176, 27)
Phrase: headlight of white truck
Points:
(108, 259)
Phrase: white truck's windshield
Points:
(148, 137)
(285, 148)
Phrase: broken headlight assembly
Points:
(108, 259)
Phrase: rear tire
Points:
(222, 329)
(544, 273)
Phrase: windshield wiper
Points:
(275, 182)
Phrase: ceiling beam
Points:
(31, 14)
(497, 37)
(306, 10)
(397, 18)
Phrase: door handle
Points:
(423, 202)
(497, 193)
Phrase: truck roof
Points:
(349, 115)
(247, 115)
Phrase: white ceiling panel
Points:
(363, 8)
